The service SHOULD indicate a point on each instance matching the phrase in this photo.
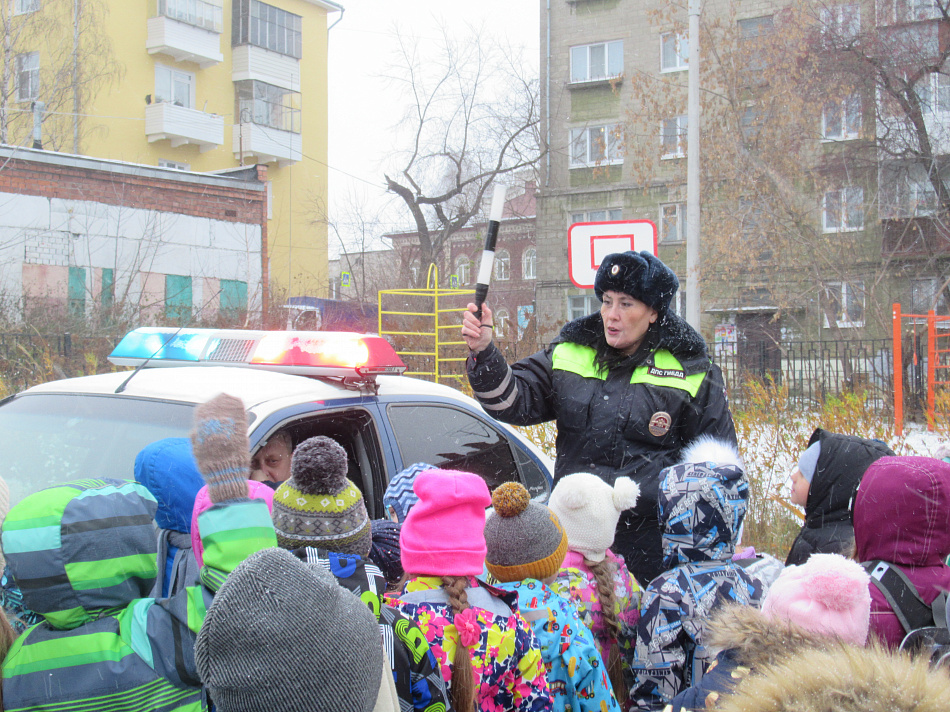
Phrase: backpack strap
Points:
(902, 596)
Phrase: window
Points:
(525, 315)
(673, 137)
(454, 440)
(177, 165)
(581, 305)
(414, 269)
(28, 76)
(178, 298)
(463, 268)
(896, 11)
(752, 32)
(933, 91)
(199, 13)
(673, 222)
(77, 291)
(174, 86)
(268, 105)
(612, 214)
(841, 21)
(847, 303)
(266, 26)
(924, 296)
(502, 265)
(233, 300)
(678, 303)
(501, 318)
(841, 120)
(529, 263)
(843, 209)
(107, 290)
(596, 145)
(21, 7)
(596, 61)
(674, 52)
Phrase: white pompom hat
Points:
(589, 509)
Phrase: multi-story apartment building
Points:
(197, 85)
(613, 80)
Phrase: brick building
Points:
(92, 237)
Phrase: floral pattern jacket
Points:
(506, 657)
(576, 582)
(577, 676)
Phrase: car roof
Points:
(256, 387)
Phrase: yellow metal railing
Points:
(438, 332)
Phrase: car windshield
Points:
(51, 438)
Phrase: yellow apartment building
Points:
(197, 85)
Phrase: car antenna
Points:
(142, 365)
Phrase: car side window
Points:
(454, 440)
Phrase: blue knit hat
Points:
(399, 497)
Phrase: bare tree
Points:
(472, 119)
(54, 52)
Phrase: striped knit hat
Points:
(399, 497)
(80, 548)
(318, 506)
(524, 538)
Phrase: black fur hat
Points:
(641, 275)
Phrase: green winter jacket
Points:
(84, 556)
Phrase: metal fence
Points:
(812, 370)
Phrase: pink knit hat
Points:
(828, 595)
(444, 533)
(256, 490)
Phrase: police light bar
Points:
(336, 354)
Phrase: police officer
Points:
(628, 387)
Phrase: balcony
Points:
(183, 42)
(255, 63)
(180, 126)
(915, 237)
(266, 144)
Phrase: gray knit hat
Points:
(524, 538)
(283, 636)
(318, 506)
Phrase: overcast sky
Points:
(363, 109)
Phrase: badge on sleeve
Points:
(660, 424)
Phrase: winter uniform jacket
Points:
(419, 684)
(747, 641)
(577, 676)
(576, 582)
(902, 516)
(703, 505)
(616, 424)
(506, 662)
(168, 470)
(84, 555)
(843, 679)
(842, 461)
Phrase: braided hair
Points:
(463, 676)
(604, 580)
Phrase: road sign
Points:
(589, 243)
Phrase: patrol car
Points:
(342, 385)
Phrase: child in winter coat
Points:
(168, 470)
(702, 503)
(526, 546)
(488, 653)
(596, 580)
(84, 554)
(321, 517)
(902, 520)
(824, 483)
(821, 604)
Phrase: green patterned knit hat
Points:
(318, 506)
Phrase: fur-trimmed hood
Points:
(669, 332)
(845, 679)
(756, 641)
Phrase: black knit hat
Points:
(641, 275)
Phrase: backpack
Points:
(925, 625)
